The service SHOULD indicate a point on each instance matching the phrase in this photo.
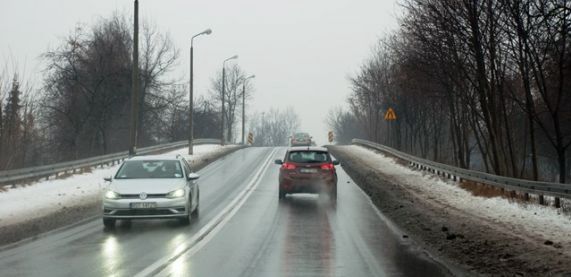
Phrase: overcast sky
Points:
(302, 51)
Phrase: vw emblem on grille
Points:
(143, 196)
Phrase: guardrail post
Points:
(557, 202)
(541, 199)
(526, 196)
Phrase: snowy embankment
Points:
(530, 221)
(42, 198)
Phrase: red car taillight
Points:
(288, 166)
(327, 166)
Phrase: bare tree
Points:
(464, 75)
(88, 87)
(233, 95)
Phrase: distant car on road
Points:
(147, 187)
(301, 139)
(307, 170)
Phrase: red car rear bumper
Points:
(307, 185)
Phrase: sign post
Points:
(390, 115)
(250, 138)
(330, 136)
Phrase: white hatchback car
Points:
(147, 187)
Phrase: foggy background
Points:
(300, 51)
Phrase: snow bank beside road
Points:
(45, 197)
(527, 221)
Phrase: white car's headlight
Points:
(176, 193)
(111, 195)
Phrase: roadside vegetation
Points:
(81, 106)
(484, 85)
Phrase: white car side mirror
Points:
(193, 176)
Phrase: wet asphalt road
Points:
(305, 235)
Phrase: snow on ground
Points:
(534, 221)
(199, 151)
(44, 197)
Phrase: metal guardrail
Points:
(540, 188)
(9, 177)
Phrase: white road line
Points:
(207, 232)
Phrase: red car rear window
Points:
(308, 157)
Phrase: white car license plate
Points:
(308, 170)
(143, 205)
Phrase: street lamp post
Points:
(191, 88)
(224, 95)
(244, 106)
(135, 84)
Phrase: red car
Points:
(307, 170)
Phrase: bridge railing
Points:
(30, 174)
(556, 190)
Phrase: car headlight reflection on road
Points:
(111, 195)
(176, 193)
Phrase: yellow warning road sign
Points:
(390, 115)
(331, 137)
(250, 138)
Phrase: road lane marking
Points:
(207, 232)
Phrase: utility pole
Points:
(223, 99)
(243, 110)
(224, 96)
(191, 107)
(135, 85)
(244, 106)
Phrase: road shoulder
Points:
(478, 245)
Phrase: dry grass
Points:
(21, 183)
(520, 198)
(483, 190)
(82, 170)
(64, 175)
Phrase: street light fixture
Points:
(244, 106)
(224, 94)
(191, 88)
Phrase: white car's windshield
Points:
(150, 169)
